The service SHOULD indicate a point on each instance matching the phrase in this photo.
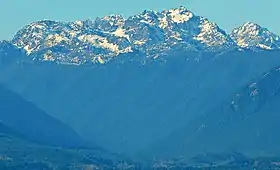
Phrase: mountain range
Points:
(150, 34)
(166, 84)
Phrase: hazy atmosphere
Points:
(161, 85)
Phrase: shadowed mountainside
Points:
(126, 106)
(26, 119)
(248, 121)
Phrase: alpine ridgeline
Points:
(150, 33)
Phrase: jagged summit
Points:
(179, 15)
(252, 36)
(149, 33)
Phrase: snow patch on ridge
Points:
(121, 33)
(179, 16)
(28, 49)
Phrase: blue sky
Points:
(14, 14)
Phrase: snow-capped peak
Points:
(117, 20)
(252, 36)
(179, 15)
(213, 36)
(151, 33)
